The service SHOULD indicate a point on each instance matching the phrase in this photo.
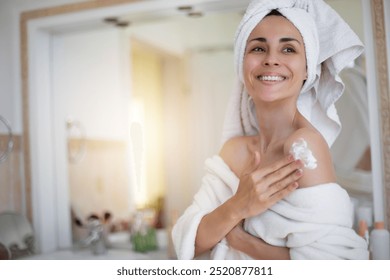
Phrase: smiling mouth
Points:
(271, 78)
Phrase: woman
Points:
(249, 205)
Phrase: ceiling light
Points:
(195, 14)
(122, 23)
(185, 8)
(111, 20)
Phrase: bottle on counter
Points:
(380, 242)
(143, 236)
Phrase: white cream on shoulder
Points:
(300, 150)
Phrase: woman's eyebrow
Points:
(288, 39)
(281, 40)
(260, 39)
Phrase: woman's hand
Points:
(253, 246)
(260, 188)
(236, 235)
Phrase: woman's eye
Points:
(288, 50)
(257, 49)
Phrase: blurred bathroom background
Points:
(137, 103)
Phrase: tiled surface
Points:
(99, 182)
(10, 177)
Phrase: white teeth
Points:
(271, 78)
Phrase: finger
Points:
(253, 164)
(284, 183)
(276, 175)
(283, 193)
(276, 166)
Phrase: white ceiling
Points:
(174, 31)
(181, 34)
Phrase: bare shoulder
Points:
(236, 151)
(324, 172)
(312, 137)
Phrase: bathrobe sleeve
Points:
(213, 192)
(184, 231)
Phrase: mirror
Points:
(188, 103)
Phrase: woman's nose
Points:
(271, 59)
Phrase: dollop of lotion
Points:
(299, 150)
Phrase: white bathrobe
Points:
(314, 222)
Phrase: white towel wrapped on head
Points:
(314, 222)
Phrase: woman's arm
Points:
(255, 247)
(259, 189)
(215, 226)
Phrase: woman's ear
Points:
(304, 81)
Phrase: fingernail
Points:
(299, 171)
(294, 186)
(290, 157)
(299, 162)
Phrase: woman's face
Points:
(274, 61)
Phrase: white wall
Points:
(194, 119)
(212, 77)
(195, 113)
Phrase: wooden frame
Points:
(383, 93)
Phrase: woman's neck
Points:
(275, 124)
